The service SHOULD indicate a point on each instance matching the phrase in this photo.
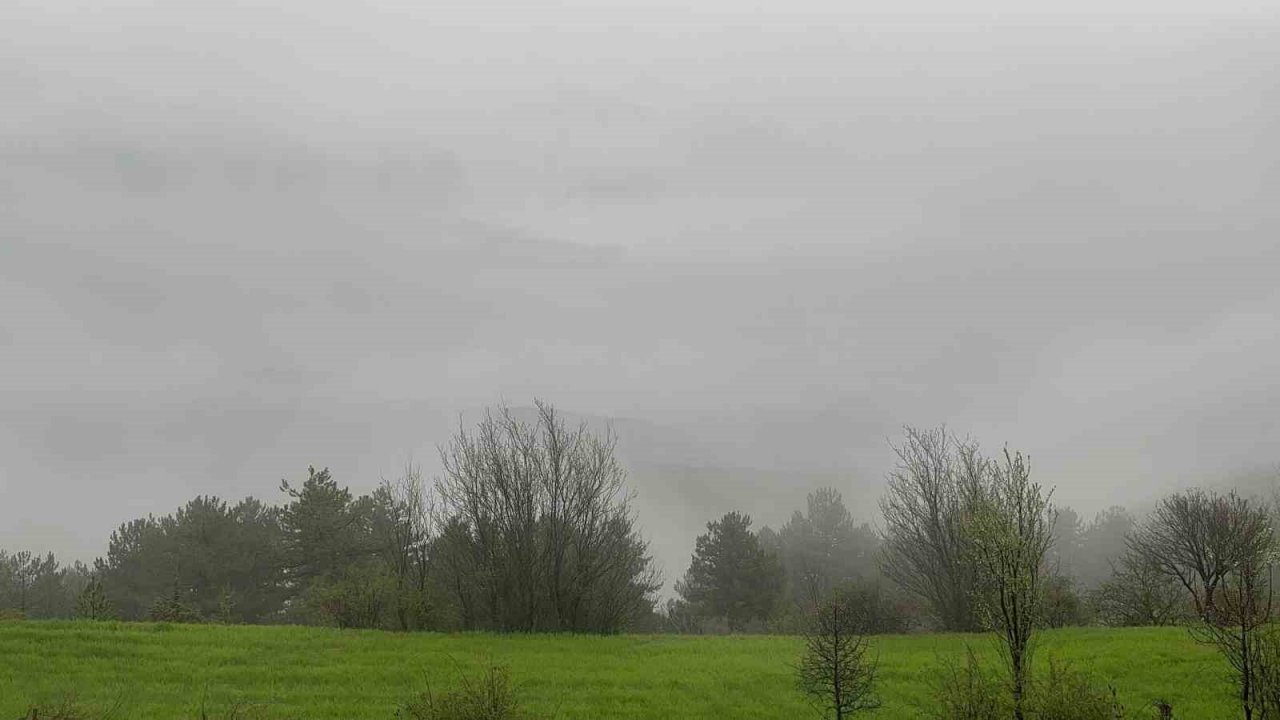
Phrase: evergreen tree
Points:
(325, 527)
(93, 604)
(731, 576)
(823, 549)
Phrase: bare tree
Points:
(1139, 594)
(541, 516)
(1012, 534)
(1238, 621)
(836, 672)
(1198, 538)
(402, 528)
(932, 491)
(1238, 630)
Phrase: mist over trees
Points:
(530, 528)
(821, 549)
(37, 586)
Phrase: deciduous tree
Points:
(932, 493)
(539, 517)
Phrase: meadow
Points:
(150, 670)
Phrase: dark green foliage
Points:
(93, 603)
(361, 595)
(324, 527)
(207, 547)
(36, 586)
(679, 617)
(138, 566)
(731, 576)
(173, 608)
(488, 697)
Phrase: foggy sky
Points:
(239, 238)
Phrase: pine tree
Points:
(92, 604)
(731, 576)
(835, 672)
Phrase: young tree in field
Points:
(731, 576)
(1198, 538)
(835, 672)
(931, 494)
(1012, 532)
(540, 521)
(93, 604)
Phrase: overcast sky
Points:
(238, 238)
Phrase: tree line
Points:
(918, 570)
(529, 528)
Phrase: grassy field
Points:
(172, 671)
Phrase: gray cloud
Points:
(237, 240)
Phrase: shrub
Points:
(1138, 594)
(1062, 604)
(880, 608)
(1067, 694)
(488, 697)
(361, 596)
(966, 691)
(883, 609)
(172, 609)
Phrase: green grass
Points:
(171, 671)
